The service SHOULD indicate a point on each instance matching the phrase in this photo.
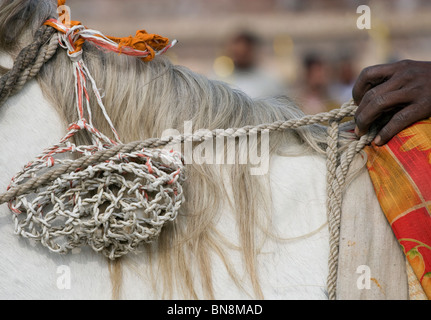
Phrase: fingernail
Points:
(378, 140)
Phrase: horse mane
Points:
(144, 99)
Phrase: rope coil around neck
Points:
(44, 47)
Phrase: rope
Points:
(337, 168)
(29, 62)
(104, 155)
(110, 160)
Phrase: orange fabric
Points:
(143, 41)
(401, 175)
(78, 43)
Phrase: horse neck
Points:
(29, 124)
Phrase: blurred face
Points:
(242, 53)
(317, 75)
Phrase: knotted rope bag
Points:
(112, 204)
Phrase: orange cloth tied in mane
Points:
(78, 43)
(142, 41)
(401, 175)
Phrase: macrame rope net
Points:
(113, 196)
(113, 205)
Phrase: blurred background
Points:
(311, 50)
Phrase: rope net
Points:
(112, 206)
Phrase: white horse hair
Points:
(238, 236)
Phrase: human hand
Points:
(396, 94)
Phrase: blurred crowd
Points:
(324, 84)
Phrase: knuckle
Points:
(409, 75)
(425, 102)
(367, 72)
(414, 92)
(400, 118)
(421, 101)
(405, 63)
(422, 108)
(380, 101)
(369, 96)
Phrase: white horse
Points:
(238, 236)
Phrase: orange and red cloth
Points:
(401, 175)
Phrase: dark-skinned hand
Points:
(393, 95)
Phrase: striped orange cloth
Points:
(401, 175)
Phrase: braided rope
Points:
(46, 52)
(337, 168)
(337, 114)
(103, 155)
(28, 62)
(51, 180)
